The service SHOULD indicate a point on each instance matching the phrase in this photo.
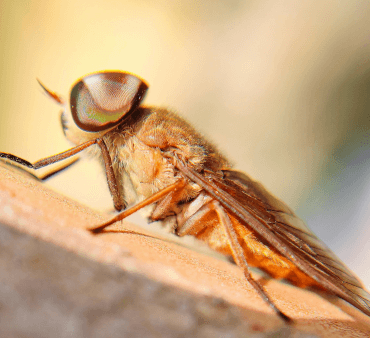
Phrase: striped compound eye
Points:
(102, 100)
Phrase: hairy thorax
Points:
(142, 154)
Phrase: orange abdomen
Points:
(257, 253)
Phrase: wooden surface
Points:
(44, 219)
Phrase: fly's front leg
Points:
(47, 160)
(118, 200)
(24, 164)
(112, 183)
(46, 175)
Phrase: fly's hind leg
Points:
(240, 260)
(194, 223)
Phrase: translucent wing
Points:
(274, 221)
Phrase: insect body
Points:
(153, 157)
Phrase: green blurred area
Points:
(282, 88)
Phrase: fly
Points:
(154, 157)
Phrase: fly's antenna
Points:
(56, 97)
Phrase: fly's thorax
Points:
(140, 170)
(172, 134)
(144, 147)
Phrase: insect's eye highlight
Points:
(100, 101)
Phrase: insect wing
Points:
(277, 224)
(307, 248)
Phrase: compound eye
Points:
(100, 101)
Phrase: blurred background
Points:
(282, 88)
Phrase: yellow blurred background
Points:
(282, 88)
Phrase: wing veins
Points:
(282, 245)
(296, 229)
